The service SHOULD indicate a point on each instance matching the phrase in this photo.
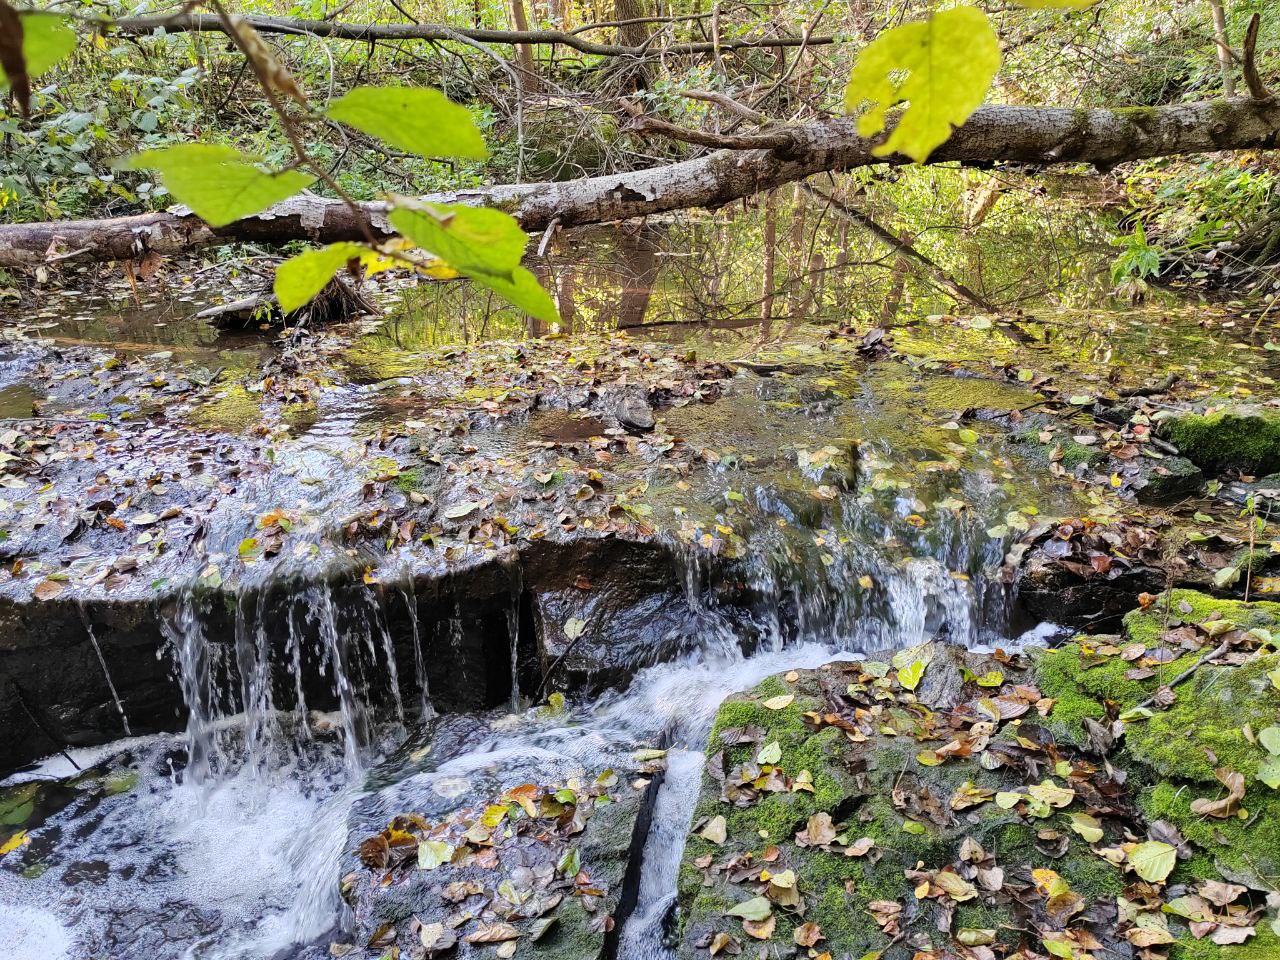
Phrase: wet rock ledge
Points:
(1115, 797)
(538, 856)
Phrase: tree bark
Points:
(1025, 135)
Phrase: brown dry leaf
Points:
(716, 830)
(374, 853)
(860, 847)
(955, 886)
(760, 929)
(1220, 893)
(1225, 936)
(1148, 936)
(723, 943)
(48, 589)
(492, 933)
(807, 934)
(818, 832)
(1228, 805)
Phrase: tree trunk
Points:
(634, 75)
(1025, 135)
(524, 52)
(1224, 47)
(770, 259)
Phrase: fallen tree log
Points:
(371, 32)
(994, 134)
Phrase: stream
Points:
(309, 716)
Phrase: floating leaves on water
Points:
(15, 842)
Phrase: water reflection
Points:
(755, 270)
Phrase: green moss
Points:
(1264, 945)
(1073, 453)
(1246, 440)
(845, 919)
(1190, 606)
(1086, 873)
(1141, 118)
(1203, 730)
(232, 409)
(1252, 847)
(410, 480)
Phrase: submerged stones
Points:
(1239, 438)
(1113, 797)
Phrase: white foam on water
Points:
(242, 868)
(28, 933)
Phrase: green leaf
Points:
(433, 853)
(466, 238)
(1270, 740)
(219, 183)
(757, 909)
(485, 245)
(522, 291)
(1226, 577)
(1090, 828)
(301, 277)
(950, 59)
(1153, 861)
(46, 39)
(910, 675)
(1269, 772)
(770, 753)
(417, 119)
(570, 863)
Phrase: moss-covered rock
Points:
(996, 767)
(1244, 438)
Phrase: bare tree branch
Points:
(205, 23)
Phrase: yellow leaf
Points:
(16, 842)
(949, 59)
